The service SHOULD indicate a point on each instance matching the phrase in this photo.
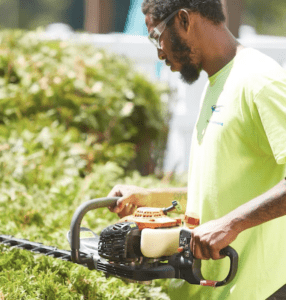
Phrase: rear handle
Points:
(195, 277)
(233, 256)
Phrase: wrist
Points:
(235, 223)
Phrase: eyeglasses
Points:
(155, 34)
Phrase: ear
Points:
(184, 19)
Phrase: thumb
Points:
(121, 204)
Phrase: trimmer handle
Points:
(196, 277)
(233, 256)
(76, 221)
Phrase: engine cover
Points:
(120, 242)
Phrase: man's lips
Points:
(170, 65)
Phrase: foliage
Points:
(68, 127)
(34, 13)
(268, 17)
(40, 188)
(37, 277)
(97, 94)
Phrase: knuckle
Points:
(215, 254)
(215, 257)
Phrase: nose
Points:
(161, 54)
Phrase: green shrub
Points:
(73, 119)
(99, 94)
(40, 189)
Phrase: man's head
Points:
(161, 9)
(179, 46)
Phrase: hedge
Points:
(118, 111)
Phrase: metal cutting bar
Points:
(36, 248)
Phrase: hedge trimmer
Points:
(145, 246)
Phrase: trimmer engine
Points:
(120, 242)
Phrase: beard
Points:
(181, 53)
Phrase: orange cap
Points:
(192, 220)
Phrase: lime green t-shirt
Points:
(239, 152)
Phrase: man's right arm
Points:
(132, 197)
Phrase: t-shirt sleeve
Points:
(271, 106)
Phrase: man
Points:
(238, 155)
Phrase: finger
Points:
(123, 201)
(199, 250)
(134, 208)
(114, 208)
(127, 210)
(131, 208)
(193, 243)
(206, 254)
(215, 254)
(116, 192)
(194, 247)
(121, 204)
(124, 212)
(117, 208)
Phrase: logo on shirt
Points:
(216, 109)
(215, 122)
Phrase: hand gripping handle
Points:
(76, 221)
(233, 256)
(195, 276)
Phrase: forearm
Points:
(162, 197)
(209, 238)
(266, 207)
(132, 197)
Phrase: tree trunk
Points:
(233, 11)
(99, 16)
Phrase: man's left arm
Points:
(209, 238)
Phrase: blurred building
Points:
(126, 16)
(95, 16)
(106, 16)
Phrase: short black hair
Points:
(160, 9)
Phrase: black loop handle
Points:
(233, 256)
(200, 280)
(76, 221)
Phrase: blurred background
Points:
(103, 16)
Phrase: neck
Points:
(219, 47)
